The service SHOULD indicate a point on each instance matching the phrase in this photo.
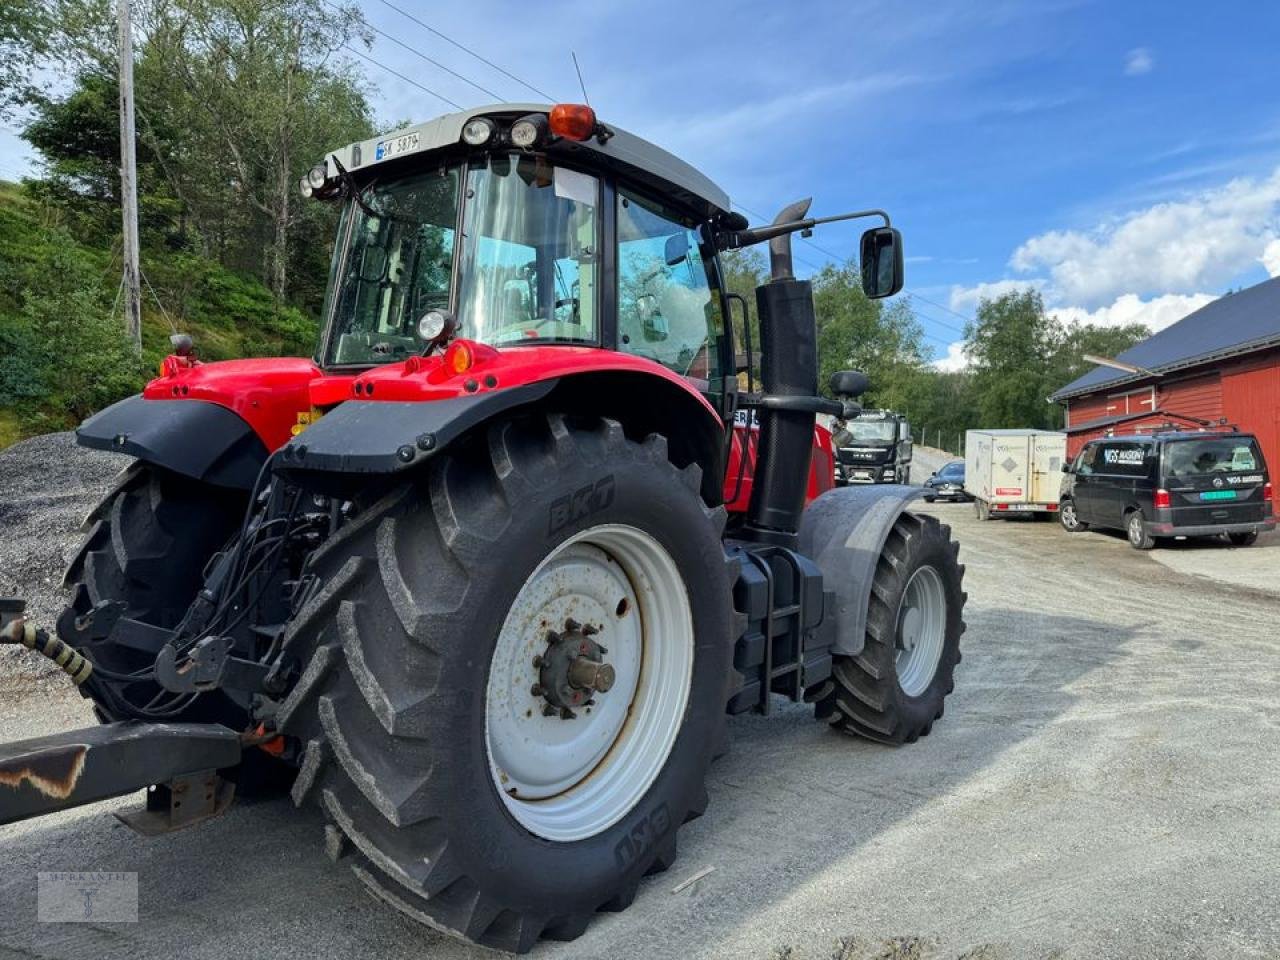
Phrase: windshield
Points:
(952, 471)
(873, 431)
(1189, 458)
(527, 259)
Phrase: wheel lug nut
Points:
(549, 711)
(537, 662)
(571, 625)
(536, 690)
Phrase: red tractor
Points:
(484, 578)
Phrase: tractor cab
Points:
(521, 227)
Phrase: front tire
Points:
(1242, 539)
(1069, 519)
(893, 690)
(424, 705)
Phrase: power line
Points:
(438, 96)
(418, 53)
(463, 47)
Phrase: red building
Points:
(1218, 365)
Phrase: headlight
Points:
(434, 325)
(477, 131)
(528, 132)
(317, 175)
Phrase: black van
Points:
(1184, 484)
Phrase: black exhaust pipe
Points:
(788, 368)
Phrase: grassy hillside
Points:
(62, 351)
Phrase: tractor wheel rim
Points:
(567, 779)
(922, 629)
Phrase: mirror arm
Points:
(736, 239)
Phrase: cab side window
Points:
(667, 308)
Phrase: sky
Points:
(1122, 158)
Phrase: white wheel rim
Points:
(1068, 514)
(569, 779)
(922, 630)
(1135, 528)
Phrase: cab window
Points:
(667, 308)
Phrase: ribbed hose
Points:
(19, 631)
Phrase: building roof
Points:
(1233, 324)
(621, 147)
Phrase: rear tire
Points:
(147, 544)
(411, 688)
(893, 691)
(1242, 539)
(1136, 529)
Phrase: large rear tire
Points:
(893, 691)
(455, 787)
(147, 543)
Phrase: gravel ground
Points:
(1102, 786)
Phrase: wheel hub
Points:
(572, 670)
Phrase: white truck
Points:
(1013, 471)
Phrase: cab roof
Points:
(686, 185)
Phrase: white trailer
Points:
(1013, 471)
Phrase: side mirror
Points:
(1068, 467)
(882, 270)
(677, 248)
(849, 383)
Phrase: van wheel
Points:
(1242, 539)
(1136, 527)
(1069, 519)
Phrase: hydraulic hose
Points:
(19, 631)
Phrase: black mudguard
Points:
(387, 437)
(196, 438)
(844, 532)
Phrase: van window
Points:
(1088, 457)
(1123, 458)
(1189, 458)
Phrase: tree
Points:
(1011, 343)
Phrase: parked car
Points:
(1177, 484)
(947, 484)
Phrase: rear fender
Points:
(844, 532)
(196, 438)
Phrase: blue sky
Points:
(1122, 157)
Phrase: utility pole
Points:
(129, 185)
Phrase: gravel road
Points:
(1102, 785)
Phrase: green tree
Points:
(1011, 344)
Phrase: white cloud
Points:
(966, 299)
(1271, 258)
(1156, 313)
(1138, 61)
(1184, 246)
(955, 360)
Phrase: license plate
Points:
(1218, 495)
(397, 145)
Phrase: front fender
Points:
(199, 439)
(844, 532)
